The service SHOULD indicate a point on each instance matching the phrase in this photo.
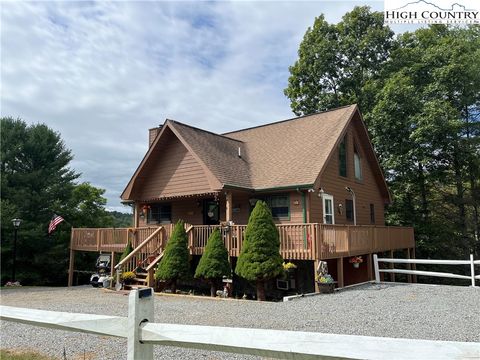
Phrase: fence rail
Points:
(471, 262)
(142, 334)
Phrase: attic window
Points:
(342, 157)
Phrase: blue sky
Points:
(103, 73)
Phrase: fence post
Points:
(472, 269)
(377, 271)
(140, 310)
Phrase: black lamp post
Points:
(16, 225)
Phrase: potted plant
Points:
(127, 277)
(325, 283)
(356, 261)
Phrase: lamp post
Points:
(16, 224)
(349, 189)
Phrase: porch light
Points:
(253, 201)
(321, 192)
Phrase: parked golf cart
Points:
(102, 277)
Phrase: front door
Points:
(211, 212)
(328, 215)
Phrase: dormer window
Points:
(342, 157)
(357, 161)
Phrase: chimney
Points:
(152, 134)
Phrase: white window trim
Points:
(324, 198)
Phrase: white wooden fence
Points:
(142, 334)
(472, 277)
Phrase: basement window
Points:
(160, 214)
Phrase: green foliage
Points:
(128, 250)
(175, 262)
(8, 354)
(121, 220)
(337, 63)
(214, 261)
(36, 182)
(260, 256)
(420, 98)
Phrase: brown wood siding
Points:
(367, 191)
(176, 172)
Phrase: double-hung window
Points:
(279, 205)
(160, 214)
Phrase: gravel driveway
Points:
(405, 311)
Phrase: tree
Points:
(36, 182)
(337, 64)
(260, 258)
(213, 264)
(174, 264)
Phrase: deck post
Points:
(340, 272)
(72, 260)
(112, 267)
(377, 269)
(140, 312)
(315, 267)
(392, 265)
(369, 267)
(409, 266)
(229, 206)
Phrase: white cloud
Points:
(102, 73)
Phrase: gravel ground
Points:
(404, 311)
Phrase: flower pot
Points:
(356, 265)
(326, 288)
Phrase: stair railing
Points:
(129, 262)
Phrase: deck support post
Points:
(71, 267)
(112, 267)
(341, 283)
(409, 266)
(315, 267)
(140, 311)
(369, 267)
(392, 265)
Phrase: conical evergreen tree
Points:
(128, 250)
(214, 262)
(260, 258)
(174, 264)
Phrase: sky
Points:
(102, 73)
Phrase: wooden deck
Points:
(297, 241)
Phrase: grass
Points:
(23, 355)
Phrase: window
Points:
(357, 161)
(349, 210)
(342, 157)
(160, 214)
(372, 213)
(279, 205)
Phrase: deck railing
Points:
(297, 241)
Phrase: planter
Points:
(356, 265)
(326, 288)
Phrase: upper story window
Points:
(160, 214)
(279, 205)
(349, 210)
(357, 161)
(342, 157)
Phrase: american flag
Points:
(57, 219)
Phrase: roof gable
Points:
(289, 153)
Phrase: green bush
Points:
(213, 264)
(128, 250)
(175, 263)
(260, 258)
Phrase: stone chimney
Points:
(152, 134)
